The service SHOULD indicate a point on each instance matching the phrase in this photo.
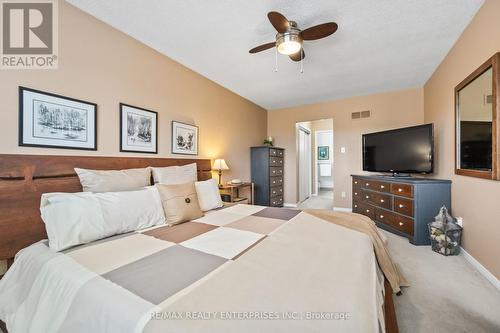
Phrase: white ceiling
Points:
(380, 45)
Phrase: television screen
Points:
(404, 150)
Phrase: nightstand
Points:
(231, 192)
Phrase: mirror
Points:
(476, 107)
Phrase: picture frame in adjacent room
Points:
(323, 153)
(138, 130)
(184, 138)
(54, 121)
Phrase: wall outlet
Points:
(460, 221)
(342, 150)
(342, 194)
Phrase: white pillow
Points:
(78, 218)
(113, 180)
(208, 195)
(175, 175)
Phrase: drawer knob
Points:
(382, 186)
(355, 193)
(381, 216)
(355, 206)
(382, 200)
(367, 196)
(367, 210)
(367, 184)
(355, 182)
(400, 190)
(401, 223)
(401, 205)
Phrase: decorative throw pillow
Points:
(180, 202)
(175, 174)
(208, 194)
(113, 180)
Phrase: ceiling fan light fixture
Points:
(289, 43)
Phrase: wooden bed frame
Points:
(23, 179)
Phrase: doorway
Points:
(315, 164)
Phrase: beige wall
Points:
(100, 64)
(476, 200)
(389, 110)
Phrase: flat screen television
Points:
(400, 151)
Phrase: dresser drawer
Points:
(275, 171)
(404, 190)
(276, 201)
(378, 199)
(403, 206)
(276, 181)
(275, 191)
(399, 222)
(276, 152)
(378, 186)
(275, 161)
(357, 194)
(364, 209)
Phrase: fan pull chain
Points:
(275, 59)
(301, 64)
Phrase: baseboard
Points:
(480, 268)
(342, 209)
(290, 205)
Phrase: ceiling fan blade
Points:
(262, 47)
(298, 56)
(279, 22)
(319, 31)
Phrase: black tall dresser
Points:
(267, 175)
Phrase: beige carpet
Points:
(324, 200)
(446, 295)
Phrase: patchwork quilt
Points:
(240, 269)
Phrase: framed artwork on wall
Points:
(138, 130)
(323, 153)
(54, 121)
(184, 138)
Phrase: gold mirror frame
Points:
(494, 63)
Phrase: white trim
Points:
(342, 209)
(290, 205)
(480, 268)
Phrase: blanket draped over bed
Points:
(240, 269)
(367, 226)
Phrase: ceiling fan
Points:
(289, 38)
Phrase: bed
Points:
(238, 269)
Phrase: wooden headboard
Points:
(23, 179)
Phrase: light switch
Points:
(342, 150)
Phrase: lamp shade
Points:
(220, 164)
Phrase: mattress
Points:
(240, 269)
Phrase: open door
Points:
(304, 163)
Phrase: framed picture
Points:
(323, 153)
(138, 130)
(184, 138)
(53, 121)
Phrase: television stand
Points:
(401, 205)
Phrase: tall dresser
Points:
(267, 175)
(403, 206)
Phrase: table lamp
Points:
(219, 165)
